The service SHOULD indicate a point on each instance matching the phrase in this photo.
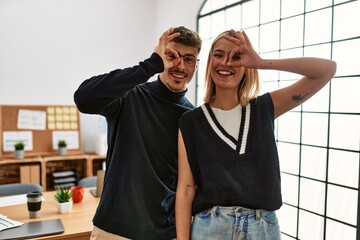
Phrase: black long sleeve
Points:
(98, 92)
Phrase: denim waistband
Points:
(237, 210)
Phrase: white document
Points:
(12, 137)
(71, 138)
(6, 223)
(30, 119)
(14, 200)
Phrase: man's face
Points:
(177, 77)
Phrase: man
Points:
(138, 196)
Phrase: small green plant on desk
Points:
(63, 200)
(63, 195)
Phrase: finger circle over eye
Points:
(235, 54)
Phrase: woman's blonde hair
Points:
(249, 86)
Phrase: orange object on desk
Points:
(77, 193)
(78, 223)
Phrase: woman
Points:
(229, 176)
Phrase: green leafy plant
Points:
(62, 143)
(63, 195)
(19, 146)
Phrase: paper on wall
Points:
(30, 119)
(12, 137)
(71, 138)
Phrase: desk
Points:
(77, 223)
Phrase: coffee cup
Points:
(34, 200)
(77, 194)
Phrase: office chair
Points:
(19, 188)
(88, 182)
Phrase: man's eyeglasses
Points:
(189, 59)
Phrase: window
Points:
(319, 157)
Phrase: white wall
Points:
(48, 47)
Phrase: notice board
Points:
(40, 127)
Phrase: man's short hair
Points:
(187, 37)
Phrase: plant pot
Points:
(62, 151)
(19, 154)
(64, 207)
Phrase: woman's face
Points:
(225, 76)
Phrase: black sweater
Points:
(141, 166)
(234, 172)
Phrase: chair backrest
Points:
(19, 188)
(88, 181)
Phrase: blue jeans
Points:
(235, 223)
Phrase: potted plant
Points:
(19, 150)
(63, 200)
(62, 147)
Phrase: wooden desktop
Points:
(78, 223)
